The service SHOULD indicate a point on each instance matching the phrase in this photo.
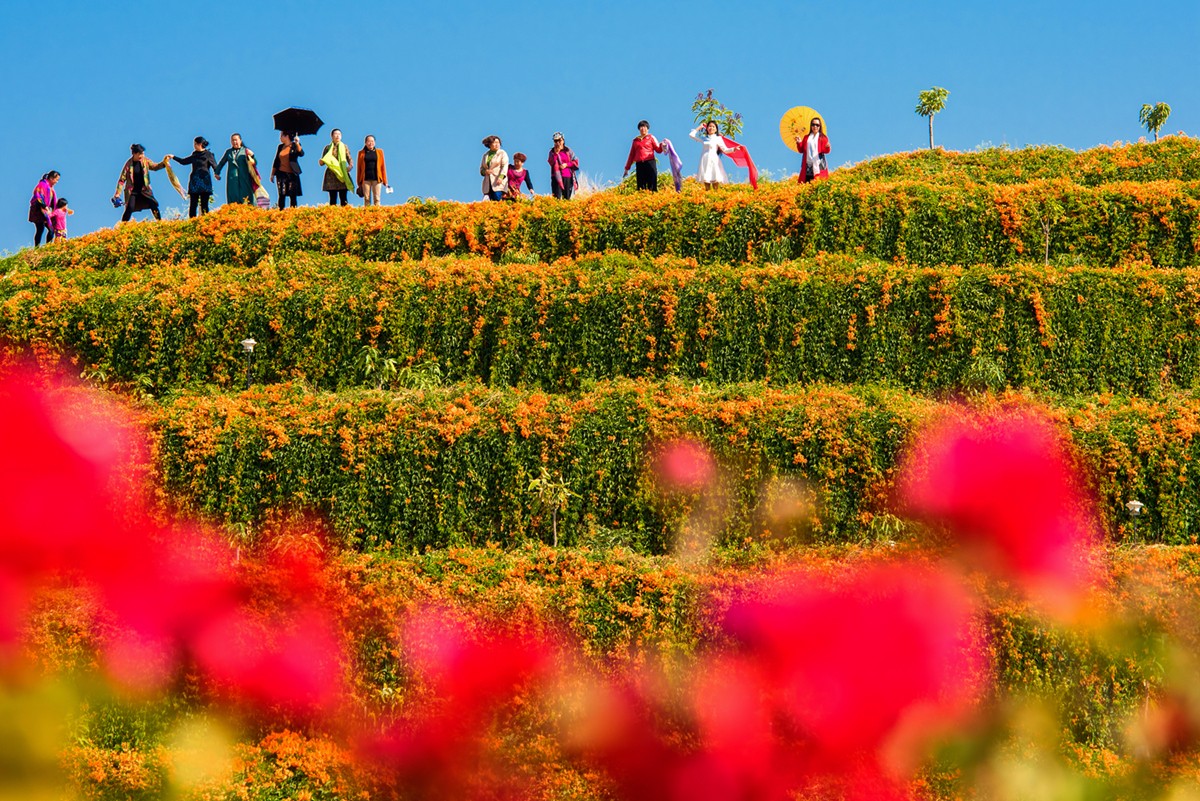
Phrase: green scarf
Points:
(335, 159)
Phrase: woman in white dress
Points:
(712, 171)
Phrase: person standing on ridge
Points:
(563, 168)
(813, 148)
(41, 205)
(239, 188)
(641, 154)
(285, 169)
(200, 187)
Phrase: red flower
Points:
(684, 465)
(61, 455)
(438, 750)
(825, 685)
(1006, 489)
(849, 664)
(281, 646)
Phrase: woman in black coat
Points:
(200, 186)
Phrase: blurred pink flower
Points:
(684, 465)
(279, 646)
(848, 662)
(824, 684)
(61, 456)
(439, 749)
(1008, 492)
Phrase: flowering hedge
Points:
(453, 466)
(1173, 158)
(914, 221)
(833, 319)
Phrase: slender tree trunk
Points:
(554, 523)
(1155, 134)
(1046, 239)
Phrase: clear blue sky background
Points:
(84, 79)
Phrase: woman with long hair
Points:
(813, 148)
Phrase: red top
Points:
(643, 149)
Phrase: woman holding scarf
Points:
(336, 158)
(200, 187)
(563, 167)
(240, 186)
(813, 148)
(42, 205)
(135, 181)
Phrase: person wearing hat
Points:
(563, 168)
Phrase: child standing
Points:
(517, 174)
(58, 220)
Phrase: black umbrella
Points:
(300, 121)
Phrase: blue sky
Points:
(429, 80)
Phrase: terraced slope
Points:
(418, 366)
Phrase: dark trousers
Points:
(335, 195)
(198, 199)
(41, 229)
(283, 197)
(647, 174)
(144, 203)
(565, 191)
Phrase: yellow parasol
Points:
(794, 124)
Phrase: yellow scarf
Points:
(166, 162)
(335, 159)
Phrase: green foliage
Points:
(931, 101)
(455, 466)
(706, 109)
(1153, 118)
(338, 323)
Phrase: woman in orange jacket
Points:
(372, 172)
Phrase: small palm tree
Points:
(1154, 117)
(930, 102)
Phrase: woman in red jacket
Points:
(813, 148)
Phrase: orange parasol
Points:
(794, 124)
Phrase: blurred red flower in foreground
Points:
(1007, 490)
(684, 465)
(175, 596)
(439, 749)
(822, 685)
(59, 462)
